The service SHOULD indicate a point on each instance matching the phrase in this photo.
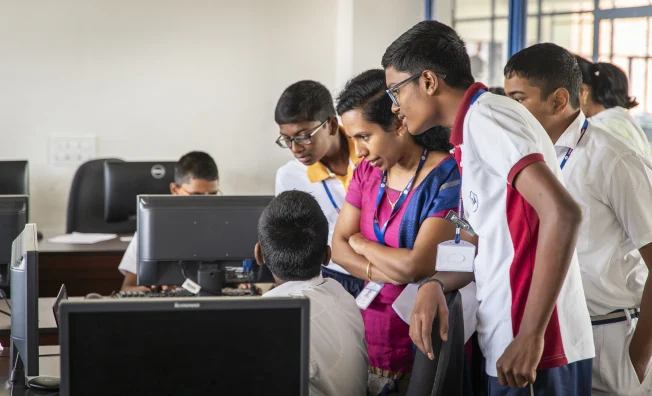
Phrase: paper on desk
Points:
(82, 238)
(405, 301)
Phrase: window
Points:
(571, 24)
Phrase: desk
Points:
(82, 268)
(49, 364)
(48, 330)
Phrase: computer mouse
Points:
(93, 296)
(44, 382)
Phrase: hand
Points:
(136, 289)
(640, 359)
(430, 303)
(357, 243)
(518, 365)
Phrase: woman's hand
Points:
(357, 243)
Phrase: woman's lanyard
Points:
(328, 191)
(570, 150)
(380, 232)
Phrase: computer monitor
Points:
(13, 217)
(203, 346)
(24, 305)
(124, 181)
(199, 238)
(14, 178)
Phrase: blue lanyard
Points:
(380, 232)
(330, 196)
(570, 150)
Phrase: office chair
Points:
(86, 202)
(445, 375)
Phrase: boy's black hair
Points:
(195, 165)
(548, 67)
(497, 90)
(293, 236)
(431, 45)
(366, 93)
(304, 101)
(608, 82)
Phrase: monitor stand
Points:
(211, 278)
(43, 382)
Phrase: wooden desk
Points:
(82, 268)
(48, 330)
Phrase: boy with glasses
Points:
(324, 158)
(194, 174)
(533, 324)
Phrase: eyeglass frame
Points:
(395, 88)
(292, 140)
(217, 192)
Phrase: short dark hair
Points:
(431, 45)
(548, 67)
(497, 90)
(608, 82)
(293, 236)
(304, 101)
(366, 93)
(195, 165)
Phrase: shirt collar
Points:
(294, 288)
(318, 172)
(571, 135)
(457, 133)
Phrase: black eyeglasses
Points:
(393, 91)
(301, 140)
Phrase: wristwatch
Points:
(431, 279)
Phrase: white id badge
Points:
(455, 257)
(368, 294)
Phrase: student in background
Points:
(605, 100)
(324, 157)
(613, 183)
(293, 243)
(392, 219)
(194, 174)
(533, 324)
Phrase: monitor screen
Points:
(124, 181)
(249, 350)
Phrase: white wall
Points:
(153, 79)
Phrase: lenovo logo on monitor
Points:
(187, 305)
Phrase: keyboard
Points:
(178, 293)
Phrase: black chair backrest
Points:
(14, 178)
(86, 202)
(445, 374)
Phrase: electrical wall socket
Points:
(66, 150)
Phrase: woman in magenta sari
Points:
(393, 218)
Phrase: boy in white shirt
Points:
(612, 180)
(293, 243)
(194, 174)
(324, 158)
(533, 325)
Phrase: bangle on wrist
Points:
(369, 270)
(431, 279)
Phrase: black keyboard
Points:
(178, 293)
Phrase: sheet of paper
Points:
(405, 301)
(82, 238)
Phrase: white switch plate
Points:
(71, 150)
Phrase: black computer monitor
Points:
(24, 305)
(203, 346)
(14, 178)
(13, 217)
(124, 181)
(201, 238)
